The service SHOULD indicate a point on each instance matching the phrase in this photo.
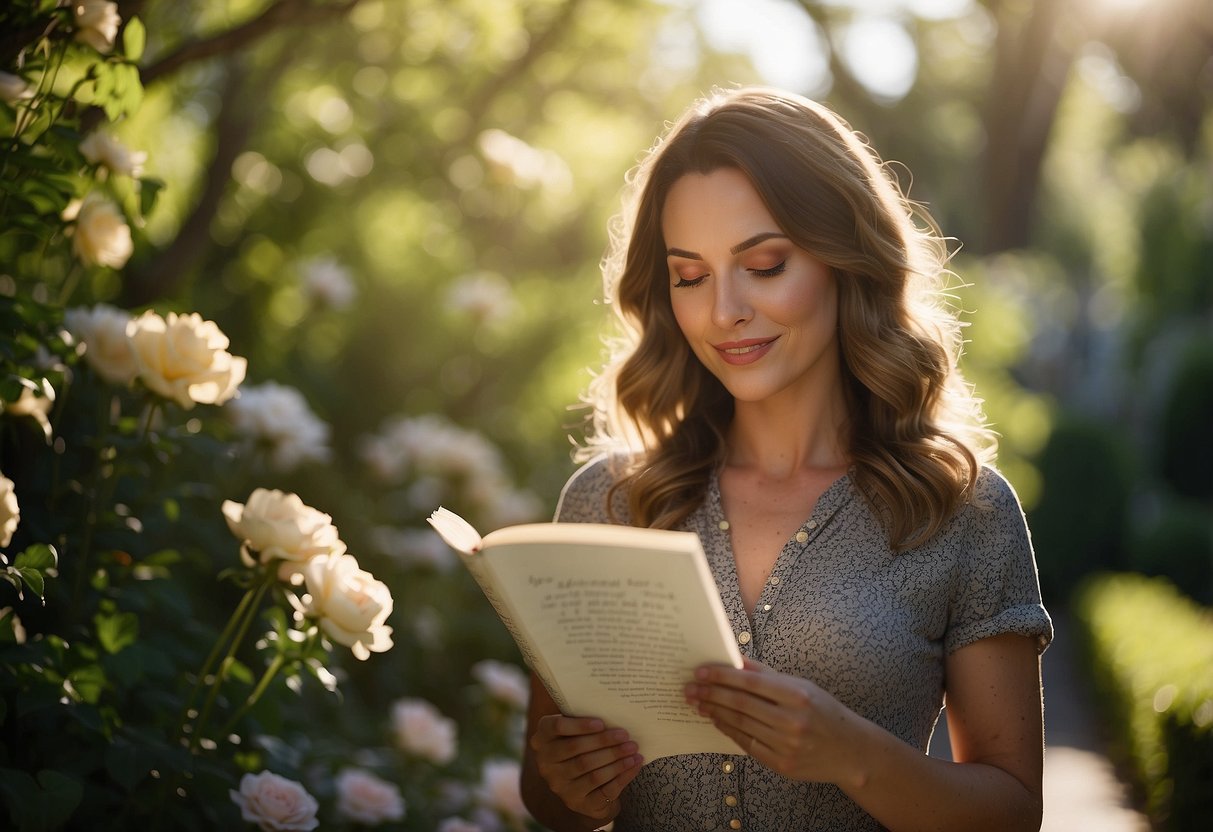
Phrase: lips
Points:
(744, 352)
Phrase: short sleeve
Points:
(997, 589)
(584, 497)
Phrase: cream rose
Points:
(185, 358)
(422, 730)
(10, 511)
(107, 349)
(100, 148)
(35, 405)
(275, 803)
(278, 526)
(366, 798)
(101, 236)
(97, 23)
(350, 605)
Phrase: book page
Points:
(622, 630)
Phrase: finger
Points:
(570, 726)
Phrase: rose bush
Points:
(154, 673)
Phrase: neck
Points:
(784, 441)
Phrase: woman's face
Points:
(760, 312)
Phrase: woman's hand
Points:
(584, 763)
(787, 723)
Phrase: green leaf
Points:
(43, 804)
(127, 763)
(116, 630)
(40, 556)
(149, 189)
(88, 681)
(134, 38)
(33, 579)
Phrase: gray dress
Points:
(839, 608)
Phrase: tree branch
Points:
(278, 13)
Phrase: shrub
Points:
(1151, 652)
(1079, 525)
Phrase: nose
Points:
(731, 306)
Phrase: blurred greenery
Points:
(398, 208)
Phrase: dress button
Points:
(723, 525)
(730, 800)
(766, 607)
(812, 524)
(726, 767)
(775, 581)
(802, 536)
(734, 824)
(743, 638)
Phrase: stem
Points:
(152, 407)
(228, 660)
(262, 684)
(233, 622)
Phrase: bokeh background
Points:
(398, 208)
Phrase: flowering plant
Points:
(170, 656)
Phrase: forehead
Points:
(722, 206)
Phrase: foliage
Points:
(1186, 453)
(1178, 545)
(1081, 522)
(1151, 653)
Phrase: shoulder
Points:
(993, 491)
(584, 497)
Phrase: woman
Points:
(790, 392)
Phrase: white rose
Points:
(328, 283)
(350, 605)
(278, 417)
(275, 803)
(100, 148)
(14, 88)
(278, 526)
(185, 358)
(97, 23)
(101, 236)
(107, 349)
(365, 798)
(499, 789)
(10, 511)
(422, 730)
(504, 682)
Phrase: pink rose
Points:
(366, 798)
(422, 730)
(275, 803)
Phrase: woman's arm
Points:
(573, 769)
(994, 719)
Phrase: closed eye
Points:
(777, 269)
(683, 282)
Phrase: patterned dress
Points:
(840, 608)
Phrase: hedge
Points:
(1151, 654)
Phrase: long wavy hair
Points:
(916, 433)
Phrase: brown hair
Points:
(916, 435)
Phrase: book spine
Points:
(482, 573)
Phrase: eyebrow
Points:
(737, 249)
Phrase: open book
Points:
(613, 619)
